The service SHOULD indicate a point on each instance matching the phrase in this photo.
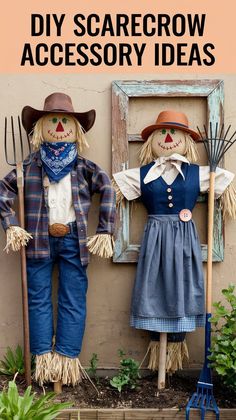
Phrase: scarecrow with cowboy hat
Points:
(168, 293)
(59, 184)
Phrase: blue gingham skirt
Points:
(168, 294)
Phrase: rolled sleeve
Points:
(223, 179)
(129, 183)
(101, 184)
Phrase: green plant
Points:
(13, 362)
(26, 407)
(128, 373)
(93, 364)
(223, 349)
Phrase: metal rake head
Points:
(18, 149)
(216, 142)
(203, 400)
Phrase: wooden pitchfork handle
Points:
(27, 357)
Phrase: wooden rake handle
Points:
(210, 242)
(27, 357)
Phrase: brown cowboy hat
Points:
(170, 119)
(54, 103)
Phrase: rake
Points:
(216, 146)
(18, 164)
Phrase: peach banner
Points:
(150, 36)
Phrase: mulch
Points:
(178, 390)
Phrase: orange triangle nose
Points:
(168, 139)
(59, 127)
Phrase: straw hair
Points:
(101, 244)
(146, 154)
(37, 138)
(16, 238)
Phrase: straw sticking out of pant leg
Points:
(176, 354)
(67, 370)
(101, 245)
(43, 368)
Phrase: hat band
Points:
(58, 110)
(174, 123)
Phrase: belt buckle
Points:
(58, 230)
(185, 215)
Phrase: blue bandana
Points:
(58, 159)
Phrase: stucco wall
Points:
(110, 284)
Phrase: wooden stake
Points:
(162, 361)
(58, 387)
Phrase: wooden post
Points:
(57, 387)
(162, 361)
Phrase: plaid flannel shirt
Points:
(86, 179)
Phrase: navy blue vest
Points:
(161, 198)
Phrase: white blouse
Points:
(168, 168)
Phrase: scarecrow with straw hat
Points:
(59, 184)
(168, 293)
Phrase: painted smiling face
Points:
(59, 127)
(167, 141)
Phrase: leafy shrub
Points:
(223, 349)
(128, 373)
(13, 362)
(26, 407)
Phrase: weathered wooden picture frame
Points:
(122, 92)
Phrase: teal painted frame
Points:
(122, 92)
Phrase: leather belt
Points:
(58, 230)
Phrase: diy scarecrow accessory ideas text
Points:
(78, 51)
(168, 294)
(58, 185)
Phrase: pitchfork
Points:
(20, 185)
(216, 146)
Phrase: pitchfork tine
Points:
(227, 131)
(221, 131)
(21, 141)
(198, 129)
(13, 140)
(17, 148)
(216, 130)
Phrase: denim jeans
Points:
(72, 290)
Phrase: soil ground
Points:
(178, 390)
